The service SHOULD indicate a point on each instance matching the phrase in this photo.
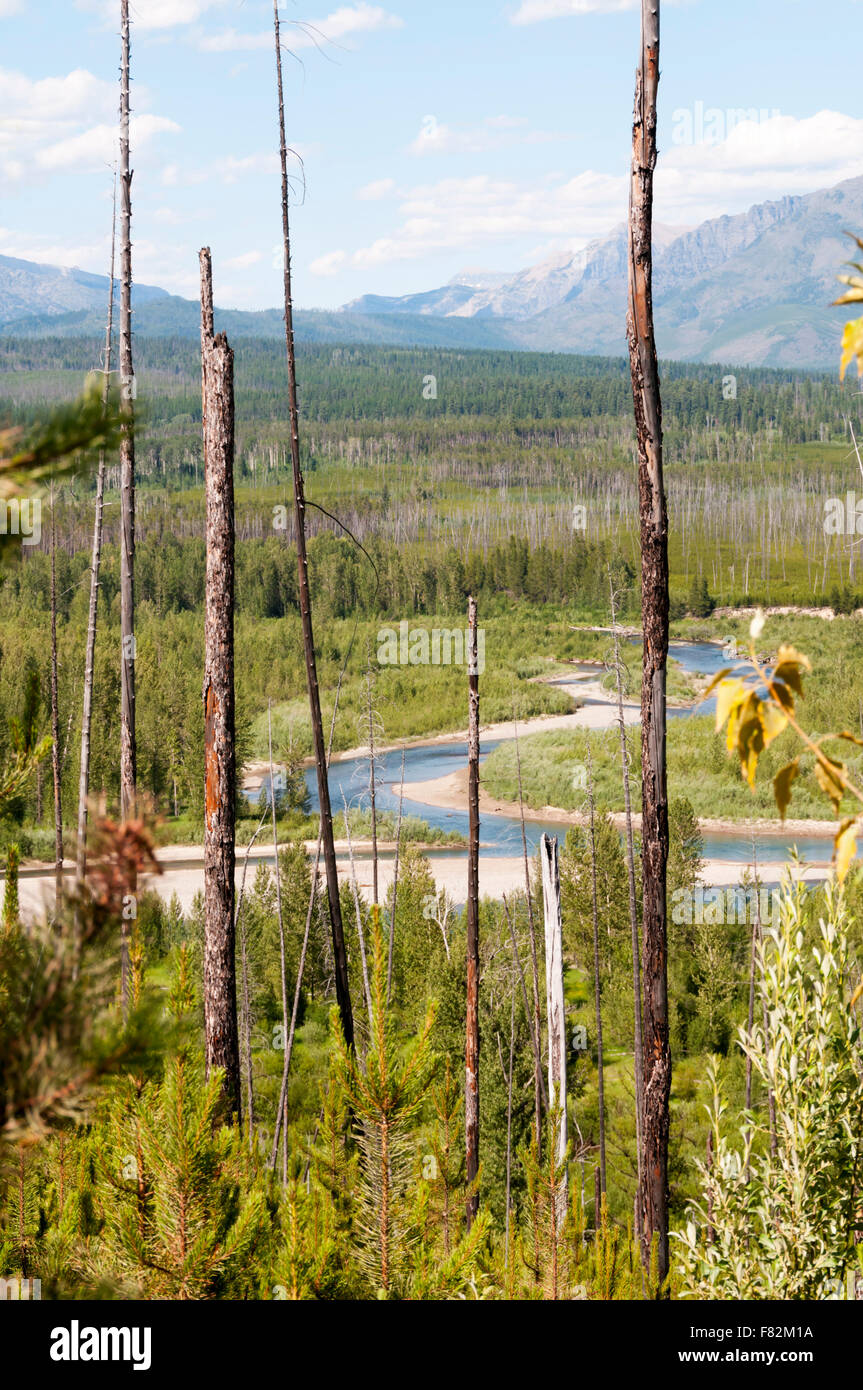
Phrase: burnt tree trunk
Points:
(471, 1097)
(638, 1059)
(55, 725)
(128, 759)
(220, 985)
(343, 994)
(597, 983)
(653, 517)
(555, 1003)
(537, 1014)
(95, 564)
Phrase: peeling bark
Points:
(471, 1099)
(220, 985)
(555, 1004)
(340, 958)
(653, 517)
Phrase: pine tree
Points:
(183, 1202)
(384, 1092)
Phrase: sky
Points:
(429, 138)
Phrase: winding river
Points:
(501, 835)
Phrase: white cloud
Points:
(532, 11)
(10, 7)
(329, 264)
(97, 147)
(496, 132)
(153, 14)
(343, 22)
(758, 160)
(244, 262)
(457, 214)
(64, 124)
(79, 96)
(379, 188)
(228, 169)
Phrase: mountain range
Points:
(751, 289)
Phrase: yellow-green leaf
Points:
(730, 693)
(720, 675)
(774, 721)
(852, 347)
(831, 779)
(782, 785)
(845, 846)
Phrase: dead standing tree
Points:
(555, 1004)
(471, 1096)
(340, 958)
(220, 985)
(638, 1059)
(128, 757)
(90, 660)
(653, 519)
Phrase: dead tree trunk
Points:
(343, 994)
(537, 1014)
(597, 982)
(220, 985)
(653, 519)
(372, 775)
(55, 723)
(638, 1061)
(128, 758)
(471, 1098)
(392, 934)
(282, 957)
(90, 660)
(555, 1004)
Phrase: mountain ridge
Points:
(751, 288)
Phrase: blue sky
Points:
(435, 136)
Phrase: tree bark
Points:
(128, 757)
(90, 659)
(282, 960)
(220, 985)
(597, 985)
(392, 932)
(555, 1004)
(55, 726)
(638, 1060)
(537, 1014)
(343, 994)
(372, 774)
(471, 1100)
(653, 519)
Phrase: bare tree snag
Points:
(638, 1057)
(55, 722)
(343, 994)
(653, 518)
(90, 660)
(392, 932)
(597, 984)
(220, 985)
(554, 999)
(537, 1014)
(471, 1056)
(128, 755)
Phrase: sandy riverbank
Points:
(450, 793)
